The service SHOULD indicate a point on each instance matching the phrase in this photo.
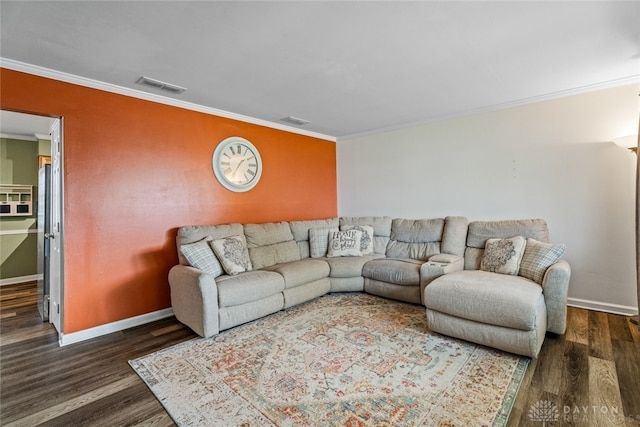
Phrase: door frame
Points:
(57, 198)
(56, 270)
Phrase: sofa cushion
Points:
(397, 271)
(480, 231)
(381, 229)
(319, 241)
(232, 253)
(417, 230)
(277, 253)
(298, 273)
(539, 256)
(200, 255)
(349, 266)
(482, 296)
(300, 231)
(415, 238)
(418, 251)
(267, 233)
(366, 241)
(454, 235)
(503, 255)
(270, 244)
(344, 243)
(193, 233)
(248, 287)
(444, 258)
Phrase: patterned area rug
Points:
(343, 359)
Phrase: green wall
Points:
(19, 165)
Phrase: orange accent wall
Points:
(135, 171)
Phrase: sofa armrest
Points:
(437, 266)
(555, 287)
(194, 298)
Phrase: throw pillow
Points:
(503, 255)
(200, 256)
(319, 241)
(344, 243)
(539, 256)
(366, 243)
(233, 254)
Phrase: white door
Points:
(55, 238)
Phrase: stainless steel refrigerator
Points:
(44, 230)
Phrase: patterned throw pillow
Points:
(503, 255)
(233, 254)
(200, 256)
(319, 241)
(538, 257)
(344, 243)
(366, 243)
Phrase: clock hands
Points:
(238, 167)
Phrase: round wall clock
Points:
(237, 164)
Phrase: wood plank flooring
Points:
(590, 376)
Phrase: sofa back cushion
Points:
(481, 231)
(194, 233)
(301, 233)
(270, 243)
(454, 235)
(381, 229)
(415, 238)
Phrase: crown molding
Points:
(510, 104)
(96, 84)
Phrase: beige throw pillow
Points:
(200, 255)
(366, 243)
(233, 254)
(538, 257)
(503, 255)
(344, 243)
(319, 241)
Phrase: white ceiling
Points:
(348, 67)
(24, 126)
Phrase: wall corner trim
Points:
(36, 70)
(98, 331)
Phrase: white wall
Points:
(550, 159)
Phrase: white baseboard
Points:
(21, 279)
(18, 232)
(87, 334)
(623, 310)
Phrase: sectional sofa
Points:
(234, 273)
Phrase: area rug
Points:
(339, 360)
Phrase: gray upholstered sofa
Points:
(287, 263)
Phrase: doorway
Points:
(27, 141)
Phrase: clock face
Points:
(237, 164)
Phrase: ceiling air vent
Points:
(147, 81)
(295, 121)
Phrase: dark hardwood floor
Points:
(88, 383)
(590, 376)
